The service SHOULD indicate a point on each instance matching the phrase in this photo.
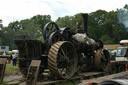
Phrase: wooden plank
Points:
(33, 72)
(91, 73)
(75, 78)
(2, 68)
(99, 79)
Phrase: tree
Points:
(95, 23)
(31, 27)
(70, 21)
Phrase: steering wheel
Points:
(49, 28)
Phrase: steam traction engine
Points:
(64, 51)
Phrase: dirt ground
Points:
(14, 79)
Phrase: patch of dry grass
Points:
(111, 47)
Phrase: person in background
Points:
(14, 59)
(4, 53)
(10, 59)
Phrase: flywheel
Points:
(62, 59)
(102, 59)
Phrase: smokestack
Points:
(1, 25)
(85, 22)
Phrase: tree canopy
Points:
(110, 27)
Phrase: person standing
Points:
(10, 59)
(14, 59)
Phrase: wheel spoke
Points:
(63, 52)
(62, 70)
(68, 53)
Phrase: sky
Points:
(12, 10)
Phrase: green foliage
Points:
(69, 83)
(70, 21)
(11, 69)
(31, 27)
(95, 23)
(3, 83)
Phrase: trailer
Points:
(116, 69)
(96, 81)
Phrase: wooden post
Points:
(2, 68)
(33, 72)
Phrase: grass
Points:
(3, 84)
(6, 84)
(11, 69)
(73, 82)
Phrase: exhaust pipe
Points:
(85, 22)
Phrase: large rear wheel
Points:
(62, 59)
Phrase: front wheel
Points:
(102, 59)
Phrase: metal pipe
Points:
(85, 22)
